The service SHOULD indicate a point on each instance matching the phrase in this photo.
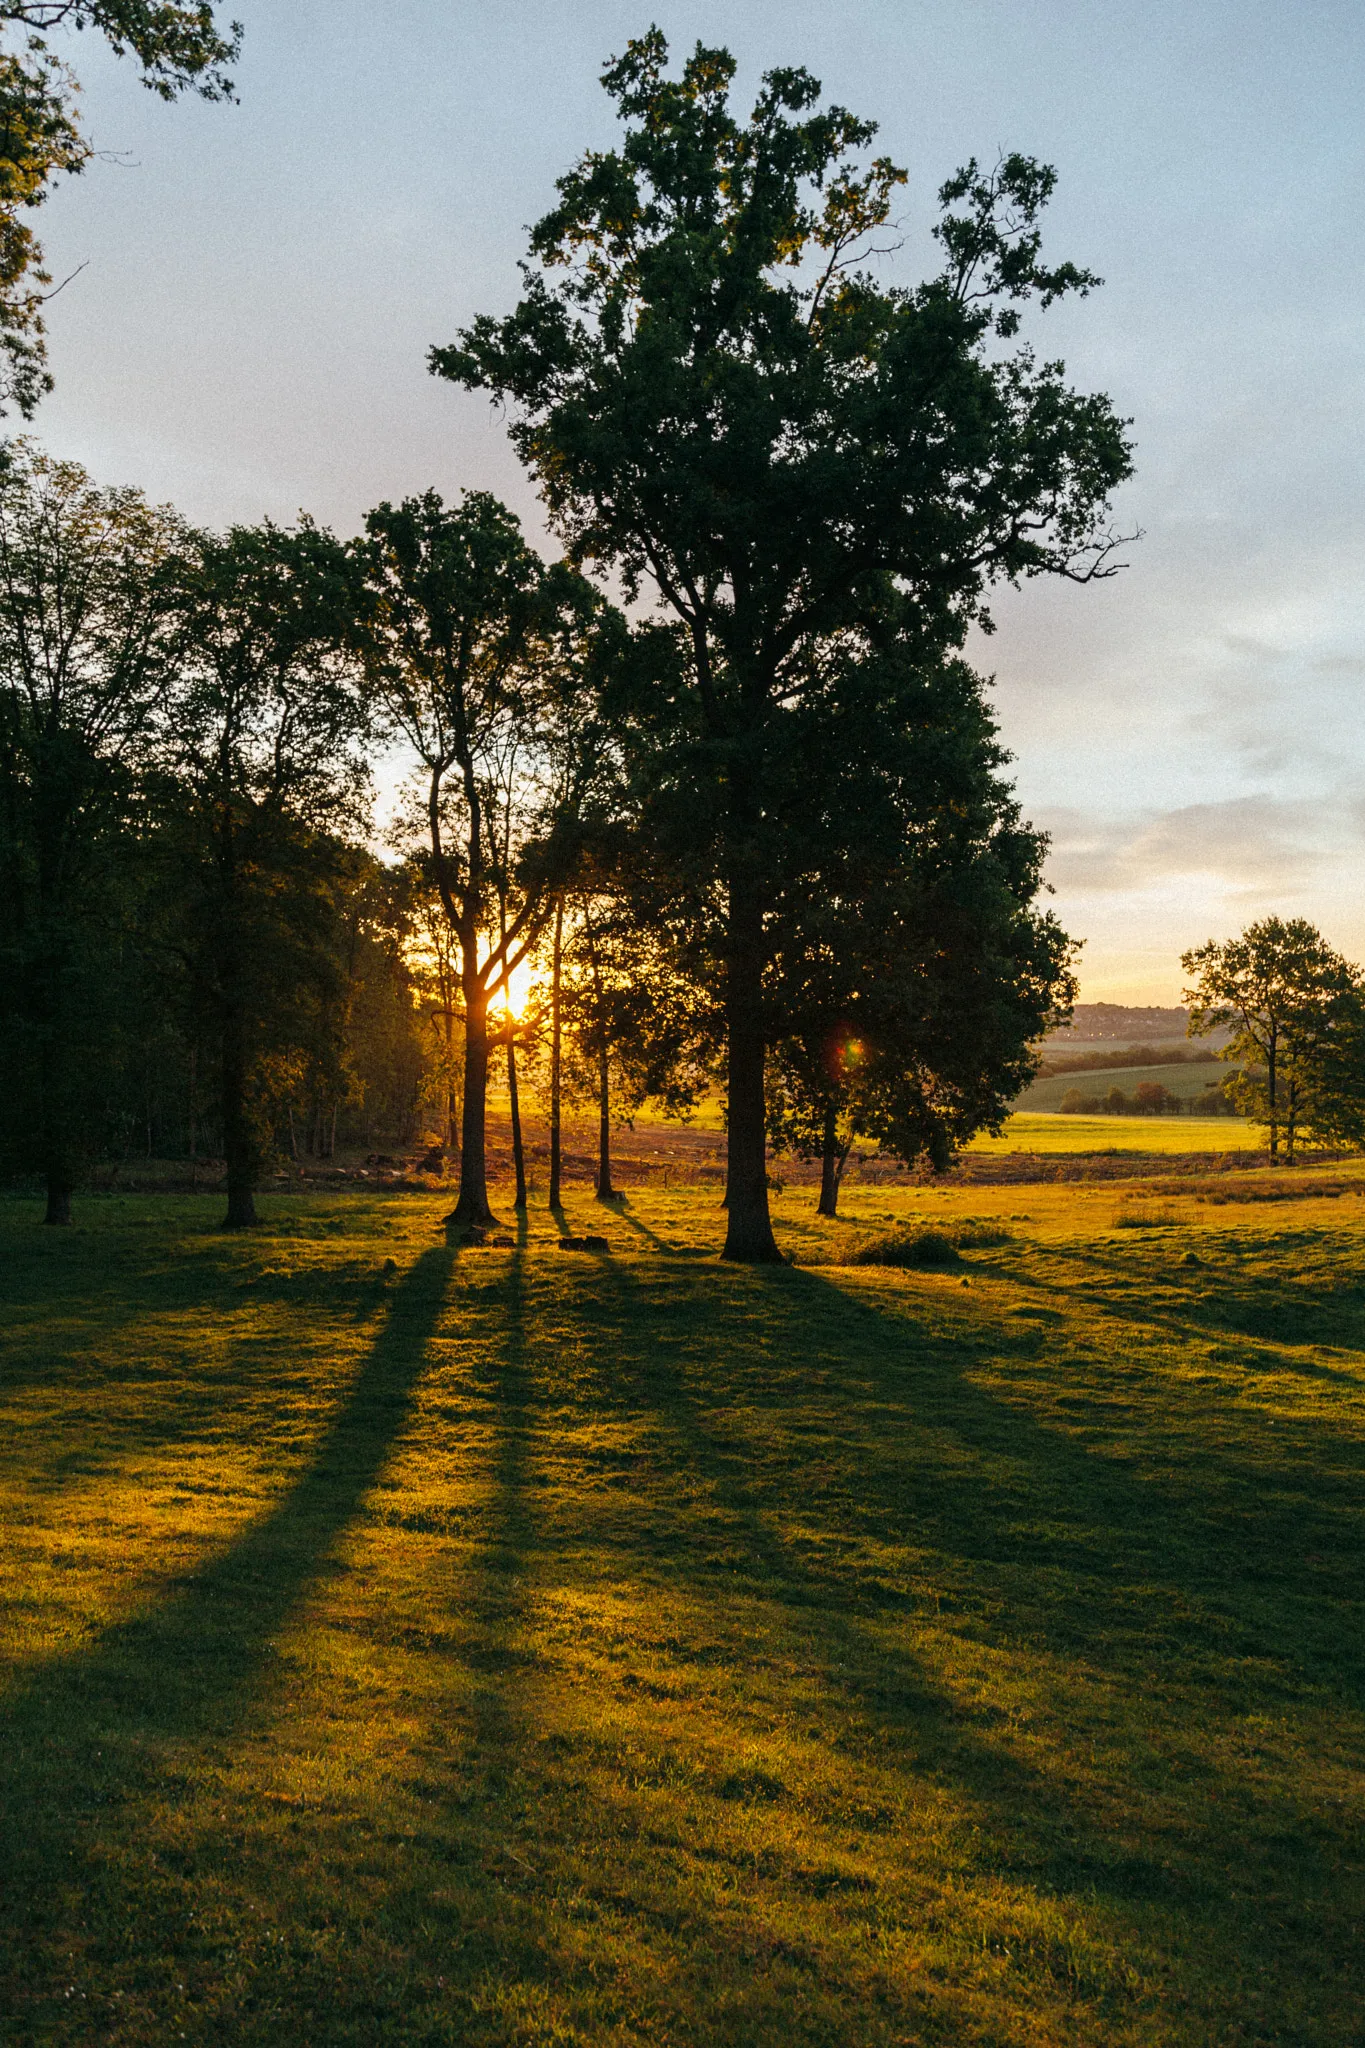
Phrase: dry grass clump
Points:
(1137, 1217)
(906, 1248)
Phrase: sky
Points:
(262, 282)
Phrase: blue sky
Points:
(263, 282)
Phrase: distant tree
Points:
(633, 1031)
(717, 397)
(481, 657)
(178, 47)
(264, 777)
(1151, 1099)
(1290, 1001)
(1116, 1103)
(86, 634)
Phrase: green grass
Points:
(536, 1648)
(1051, 1132)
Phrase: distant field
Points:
(1183, 1078)
(1039, 1132)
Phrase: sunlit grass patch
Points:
(1038, 1131)
(524, 1647)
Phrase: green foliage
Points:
(1296, 1010)
(913, 1248)
(263, 773)
(715, 396)
(86, 646)
(178, 47)
(913, 970)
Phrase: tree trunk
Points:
(605, 1191)
(831, 1164)
(239, 1147)
(518, 1148)
(472, 1205)
(555, 1073)
(1272, 1105)
(59, 1166)
(748, 1229)
(59, 1192)
(452, 1100)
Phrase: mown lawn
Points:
(543, 1648)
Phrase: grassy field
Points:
(521, 1647)
(1055, 1133)
(1185, 1078)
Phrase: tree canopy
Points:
(719, 399)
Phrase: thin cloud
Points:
(1251, 843)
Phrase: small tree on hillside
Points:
(1292, 1004)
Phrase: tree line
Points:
(720, 771)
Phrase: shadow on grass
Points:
(1040, 1540)
(99, 1727)
(820, 1471)
(1286, 1310)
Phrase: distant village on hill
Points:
(1107, 1023)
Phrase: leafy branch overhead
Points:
(178, 47)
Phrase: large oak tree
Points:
(719, 400)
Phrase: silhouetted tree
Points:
(264, 775)
(85, 637)
(481, 656)
(716, 397)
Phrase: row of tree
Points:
(1149, 1098)
(722, 766)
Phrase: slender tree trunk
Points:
(194, 1099)
(452, 1099)
(472, 1204)
(59, 1170)
(59, 1159)
(748, 1230)
(605, 1191)
(1272, 1103)
(239, 1147)
(518, 1147)
(832, 1158)
(54, 1060)
(556, 965)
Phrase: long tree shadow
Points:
(1098, 1568)
(1275, 1309)
(97, 1727)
